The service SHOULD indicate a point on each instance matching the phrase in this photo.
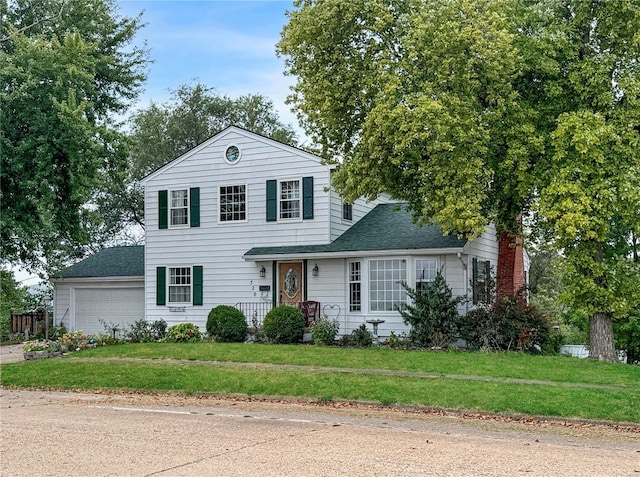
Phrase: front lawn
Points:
(564, 387)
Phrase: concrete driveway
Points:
(64, 434)
(11, 353)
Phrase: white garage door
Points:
(119, 306)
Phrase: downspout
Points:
(465, 278)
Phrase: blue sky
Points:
(228, 45)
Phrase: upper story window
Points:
(233, 203)
(347, 211)
(290, 198)
(426, 269)
(179, 207)
(180, 285)
(385, 291)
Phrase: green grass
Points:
(576, 388)
(497, 365)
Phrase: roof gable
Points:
(109, 262)
(221, 136)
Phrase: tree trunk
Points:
(601, 338)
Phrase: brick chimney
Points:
(510, 273)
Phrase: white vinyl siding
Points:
(219, 246)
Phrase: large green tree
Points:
(162, 132)
(67, 69)
(587, 94)
(417, 97)
(474, 111)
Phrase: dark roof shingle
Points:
(109, 262)
(386, 227)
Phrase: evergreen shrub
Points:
(284, 324)
(433, 316)
(227, 324)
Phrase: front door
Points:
(290, 282)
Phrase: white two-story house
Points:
(246, 221)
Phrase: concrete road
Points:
(73, 434)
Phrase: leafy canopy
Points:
(68, 68)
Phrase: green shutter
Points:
(307, 198)
(272, 201)
(194, 207)
(161, 286)
(163, 209)
(197, 285)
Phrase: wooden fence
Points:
(33, 322)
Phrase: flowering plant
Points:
(37, 345)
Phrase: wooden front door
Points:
(290, 282)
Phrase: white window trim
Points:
(246, 205)
(170, 208)
(300, 199)
(168, 294)
(362, 287)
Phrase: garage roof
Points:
(109, 262)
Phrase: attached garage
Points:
(103, 291)
(118, 306)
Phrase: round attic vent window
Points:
(232, 155)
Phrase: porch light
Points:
(314, 270)
(263, 272)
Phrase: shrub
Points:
(77, 341)
(324, 331)
(361, 337)
(284, 324)
(509, 324)
(227, 324)
(184, 333)
(144, 332)
(401, 341)
(433, 317)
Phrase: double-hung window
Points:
(179, 285)
(355, 286)
(179, 207)
(233, 203)
(426, 269)
(481, 281)
(347, 212)
(385, 291)
(290, 199)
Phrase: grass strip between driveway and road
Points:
(507, 383)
